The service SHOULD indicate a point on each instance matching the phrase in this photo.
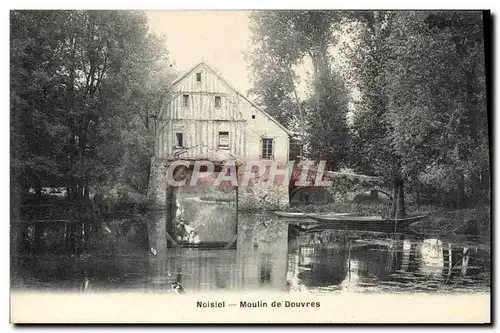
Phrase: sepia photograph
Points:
(264, 166)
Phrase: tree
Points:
(438, 100)
(422, 114)
(83, 87)
(372, 151)
(282, 39)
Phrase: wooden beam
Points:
(231, 242)
(174, 243)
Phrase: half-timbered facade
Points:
(205, 117)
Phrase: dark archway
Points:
(310, 195)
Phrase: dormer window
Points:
(198, 77)
(217, 101)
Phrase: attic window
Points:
(253, 116)
(185, 100)
(198, 77)
(217, 101)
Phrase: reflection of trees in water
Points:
(266, 268)
(442, 259)
(262, 258)
(82, 273)
(414, 257)
(431, 262)
(373, 261)
(378, 261)
(347, 263)
(464, 262)
(405, 255)
(322, 267)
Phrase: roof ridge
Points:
(230, 86)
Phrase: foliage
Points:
(282, 40)
(260, 198)
(437, 97)
(422, 115)
(371, 150)
(83, 87)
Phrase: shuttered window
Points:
(267, 149)
(224, 140)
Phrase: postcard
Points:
(279, 166)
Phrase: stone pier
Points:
(206, 213)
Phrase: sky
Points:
(219, 38)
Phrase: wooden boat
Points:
(299, 214)
(290, 214)
(326, 218)
(296, 218)
(364, 223)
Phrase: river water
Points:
(269, 257)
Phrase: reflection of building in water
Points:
(205, 270)
(261, 254)
(196, 270)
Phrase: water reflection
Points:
(267, 257)
(395, 265)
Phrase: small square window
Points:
(217, 101)
(198, 77)
(253, 116)
(185, 100)
(224, 140)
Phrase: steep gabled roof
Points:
(230, 86)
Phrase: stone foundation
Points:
(204, 212)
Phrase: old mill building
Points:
(205, 117)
